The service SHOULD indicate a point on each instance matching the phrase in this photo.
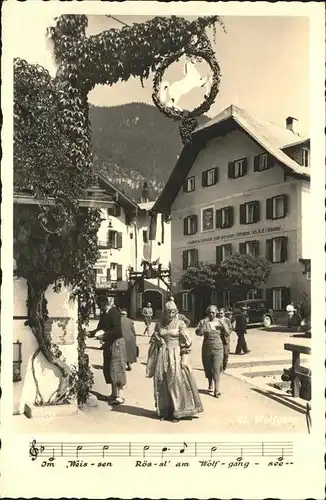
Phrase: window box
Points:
(249, 248)
(263, 162)
(210, 177)
(250, 212)
(224, 217)
(189, 185)
(305, 157)
(189, 258)
(237, 168)
(277, 207)
(207, 217)
(190, 225)
(276, 249)
(223, 252)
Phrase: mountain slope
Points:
(133, 143)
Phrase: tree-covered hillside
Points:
(133, 143)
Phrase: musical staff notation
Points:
(210, 450)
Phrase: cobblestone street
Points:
(241, 409)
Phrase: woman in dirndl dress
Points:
(114, 349)
(213, 332)
(175, 390)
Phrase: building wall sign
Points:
(239, 234)
(102, 261)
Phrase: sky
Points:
(264, 64)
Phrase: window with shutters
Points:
(280, 297)
(210, 177)
(262, 162)
(254, 293)
(224, 217)
(250, 212)
(113, 271)
(189, 185)
(223, 252)
(238, 168)
(277, 299)
(277, 207)
(305, 157)
(207, 217)
(276, 250)
(190, 225)
(114, 239)
(249, 248)
(226, 299)
(189, 258)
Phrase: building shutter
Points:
(119, 272)
(219, 255)
(256, 243)
(204, 178)
(216, 175)
(195, 258)
(269, 250)
(256, 163)
(110, 239)
(218, 215)
(285, 297)
(195, 223)
(190, 300)
(229, 248)
(184, 260)
(231, 170)
(185, 186)
(284, 249)
(117, 210)
(269, 297)
(119, 240)
(270, 161)
(285, 204)
(245, 166)
(256, 214)
(243, 214)
(108, 274)
(185, 226)
(269, 208)
(259, 293)
(230, 216)
(242, 248)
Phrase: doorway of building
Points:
(156, 299)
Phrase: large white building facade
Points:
(242, 185)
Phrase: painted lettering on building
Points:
(238, 234)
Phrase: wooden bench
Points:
(297, 374)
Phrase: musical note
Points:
(78, 449)
(105, 447)
(51, 459)
(281, 458)
(213, 449)
(163, 451)
(184, 448)
(34, 451)
(144, 450)
(241, 456)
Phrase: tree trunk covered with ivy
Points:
(55, 241)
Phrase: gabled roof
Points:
(118, 196)
(269, 136)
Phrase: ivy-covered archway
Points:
(56, 240)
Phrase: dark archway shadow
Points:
(97, 367)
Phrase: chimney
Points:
(145, 193)
(291, 124)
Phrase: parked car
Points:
(257, 311)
